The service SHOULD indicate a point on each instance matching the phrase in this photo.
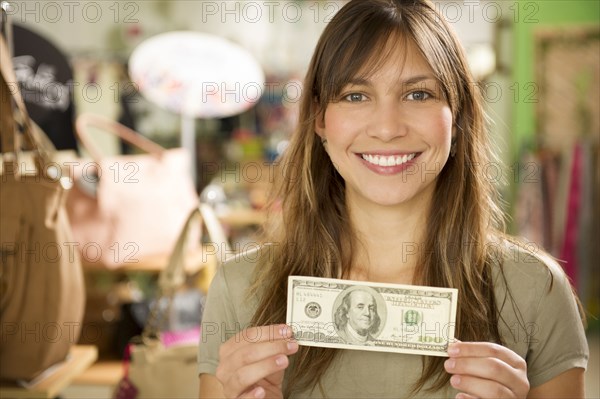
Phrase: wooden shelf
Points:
(53, 381)
(196, 259)
(243, 217)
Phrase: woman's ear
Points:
(319, 121)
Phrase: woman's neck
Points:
(389, 240)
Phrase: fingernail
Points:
(281, 360)
(259, 393)
(455, 380)
(284, 331)
(449, 364)
(453, 349)
(292, 345)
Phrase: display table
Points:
(57, 379)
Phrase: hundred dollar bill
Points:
(371, 316)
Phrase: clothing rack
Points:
(556, 210)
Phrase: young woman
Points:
(384, 182)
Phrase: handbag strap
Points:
(7, 126)
(173, 276)
(110, 126)
(41, 146)
(7, 123)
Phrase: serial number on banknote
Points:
(371, 316)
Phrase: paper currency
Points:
(371, 316)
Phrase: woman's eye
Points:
(354, 97)
(419, 95)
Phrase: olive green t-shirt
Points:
(541, 325)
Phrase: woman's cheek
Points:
(345, 121)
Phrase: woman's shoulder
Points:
(526, 281)
(239, 268)
(526, 264)
(230, 287)
(237, 272)
(539, 317)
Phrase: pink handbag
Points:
(130, 207)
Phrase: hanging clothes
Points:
(569, 248)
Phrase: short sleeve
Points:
(218, 319)
(228, 308)
(558, 342)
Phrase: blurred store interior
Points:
(537, 62)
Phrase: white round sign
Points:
(196, 74)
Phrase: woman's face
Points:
(389, 135)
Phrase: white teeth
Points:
(382, 160)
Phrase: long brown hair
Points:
(312, 232)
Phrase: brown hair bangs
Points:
(357, 51)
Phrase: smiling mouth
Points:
(388, 160)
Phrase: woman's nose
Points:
(387, 122)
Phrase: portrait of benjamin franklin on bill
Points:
(356, 318)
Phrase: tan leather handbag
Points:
(126, 208)
(41, 283)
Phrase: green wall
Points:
(531, 15)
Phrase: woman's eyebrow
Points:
(419, 78)
(410, 81)
(359, 82)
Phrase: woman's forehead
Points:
(400, 59)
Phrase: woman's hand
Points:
(486, 370)
(252, 362)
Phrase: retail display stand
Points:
(102, 377)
